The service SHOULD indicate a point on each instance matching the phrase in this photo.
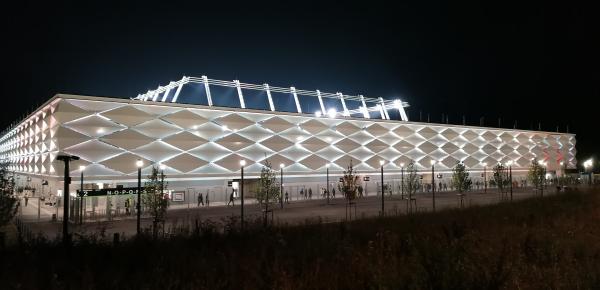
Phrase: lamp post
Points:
(588, 164)
(402, 180)
(66, 159)
(510, 162)
(327, 169)
(162, 180)
(138, 207)
(484, 177)
(81, 169)
(281, 183)
(543, 164)
(381, 162)
(433, 182)
(242, 164)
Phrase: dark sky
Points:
(528, 62)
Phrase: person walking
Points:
(287, 200)
(333, 192)
(127, 206)
(26, 199)
(207, 201)
(310, 193)
(231, 200)
(200, 199)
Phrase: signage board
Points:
(178, 195)
(108, 191)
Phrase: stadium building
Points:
(191, 128)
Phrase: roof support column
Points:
(321, 102)
(271, 105)
(296, 99)
(403, 115)
(383, 110)
(174, 100)
(207, 89)
(164, 98)
(346, 113)
(239, 90)
(364, 108)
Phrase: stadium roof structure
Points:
(212, 92)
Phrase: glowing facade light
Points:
(331, 113)
(100, 131)
(318, 114)
(401, 164)
(225, 128)
(397, 104)
(139, 163)
(243, 162)
(432, 162)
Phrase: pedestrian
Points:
(310, 193)
(302, 193)
(231, 200)
(207, 201)
(26, 199)
(287, 200)
(333, 192)
(127, 206)
(200, 199)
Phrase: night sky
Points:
(531, 62)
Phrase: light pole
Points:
(138, 207)
(81, 169)
(327, 168)
(66, 195)
(543, 183)
(162, 180)
(381, 162)
(402, 180)
(281, 183)
(510, 162)
(242, 164)
(484, 177)
(433, 182)
(588, 164)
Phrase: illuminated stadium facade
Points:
(201, 145)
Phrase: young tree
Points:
(8, 202)
(268, 191)
(350, 183)
(460, 178)
(536, 175)
(156, 199)
(500, 177)
(411, 179)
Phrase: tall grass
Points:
(547, 243)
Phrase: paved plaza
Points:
(295, 212)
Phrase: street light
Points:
(402, 180)
(162, 180)
(510, 162)
(588, 164)
(484, 177)
(381, 162)
(281, 165)
(242, 164)
(327, 169)
(81, 169)
(66, 159)
(543, 164)
(433, 182)
(139, 163)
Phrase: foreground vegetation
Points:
(551, 242)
